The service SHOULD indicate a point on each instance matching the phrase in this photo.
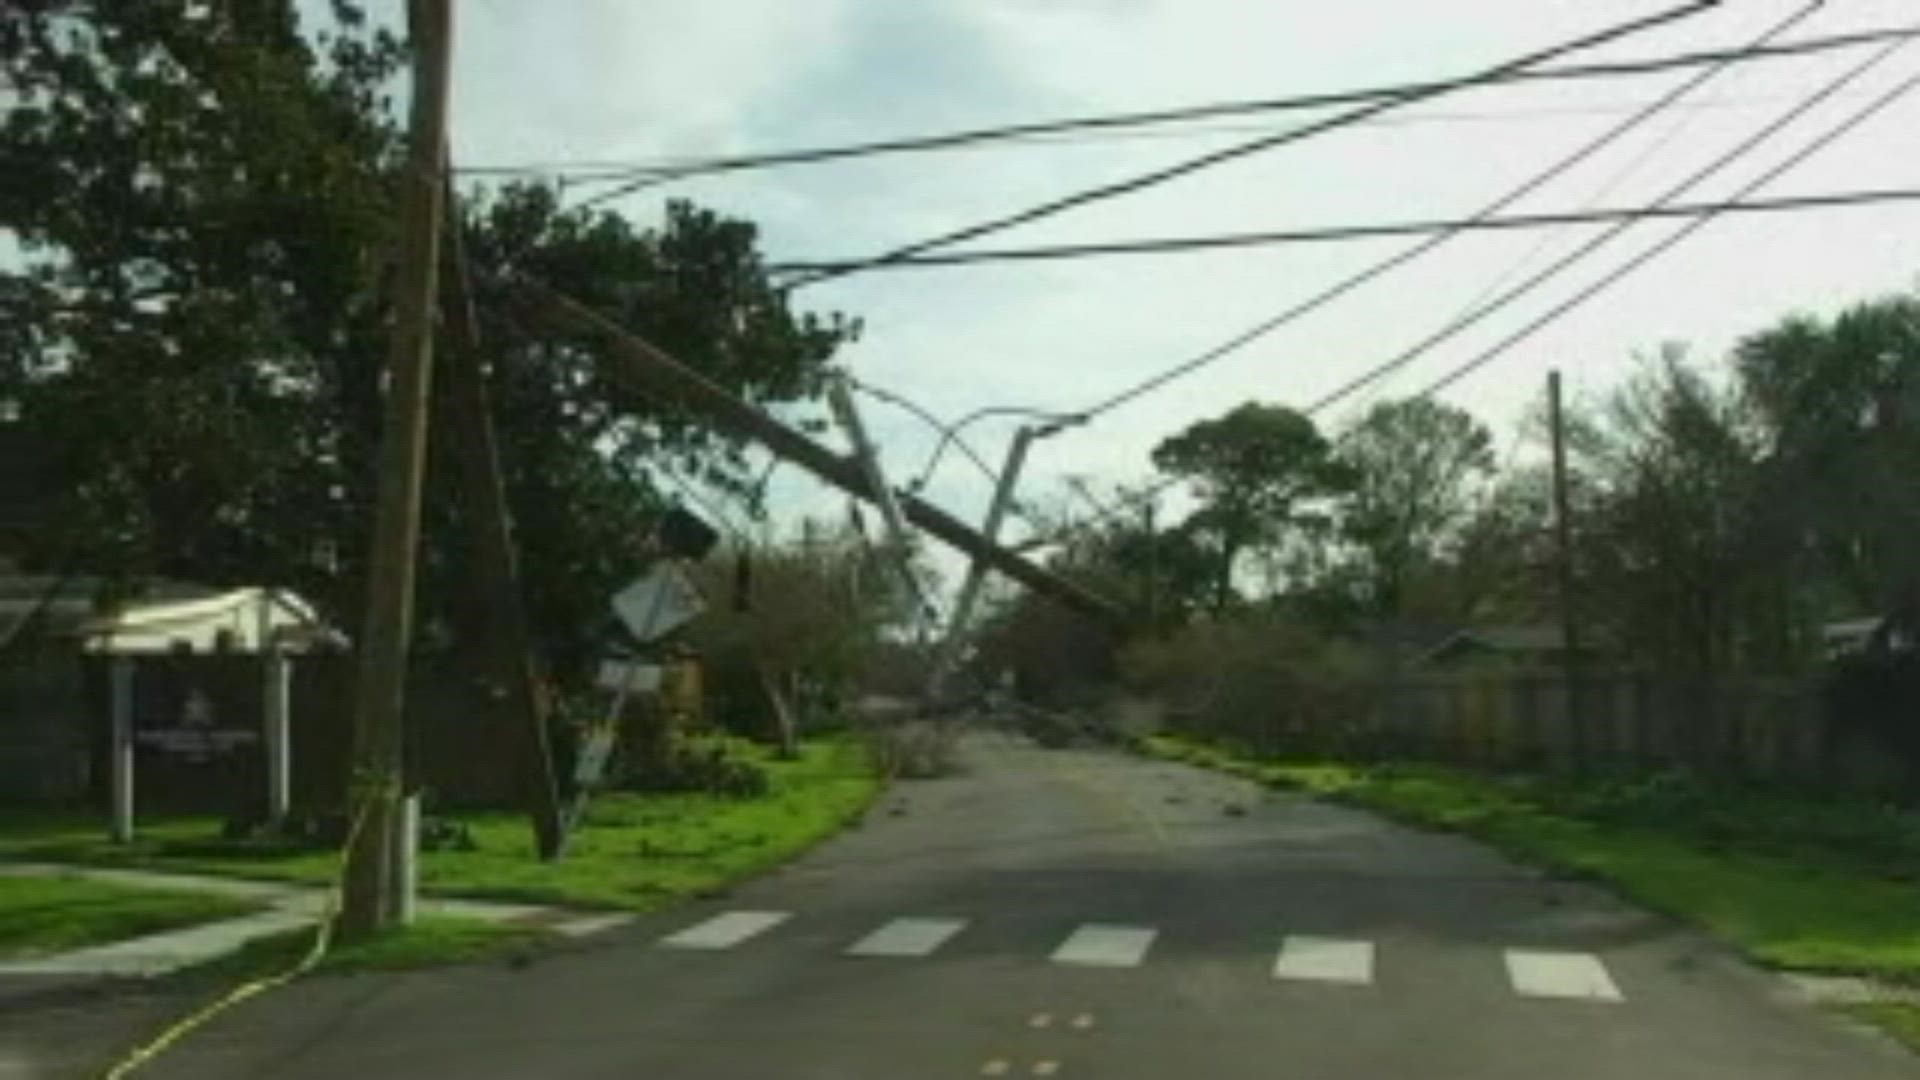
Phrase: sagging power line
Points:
(1533, 281)
(1152, 178)
(1552, 172)
(662, 170)
(1595, 288)
(1339, 233)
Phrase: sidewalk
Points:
(288, 907)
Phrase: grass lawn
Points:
(636, 851)
(430, 941)
(40, 915)
(1898, 1019)
(1795, 881)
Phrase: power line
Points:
(1339, 233)
(1192, 165)
(1533, 281)
(1693, 226)
(1354, 281)
(667, 169)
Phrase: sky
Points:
(613, 80)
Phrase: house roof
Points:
(1537, 638)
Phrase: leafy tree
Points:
(1838, 403)
(1417, 467)
(1257, 470)
(1671, 543)
(204, 197)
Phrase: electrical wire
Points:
(687, 167)
(1535, 280)
(1339, 233)
(1667, 243)
(1154, 177)
(1559, 168)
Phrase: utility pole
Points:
(380, 669)
(901, 550)
(950, 645)
(646, 368)
(1563, 537)
(514, 684)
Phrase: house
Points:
(1522, 646)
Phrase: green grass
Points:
(40, 915)
(431, 941)
(636, 851)
(1897, 1018)
(1793, 880)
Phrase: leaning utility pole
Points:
(1563, 542)
(900, 548)
(950, 645)
(380, 669)
(513, 677)
(646, 368)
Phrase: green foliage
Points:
(810, 627)
(1416, 466)
(52, 914)
(430, 941)
(1813, 896)
(636, 851)
(716, 766)
(1255, 680)
(1256, 471)
(204, 196)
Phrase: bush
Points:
(1873, 699)
(710, 765)
(1256, 681)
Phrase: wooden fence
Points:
(1761, 729)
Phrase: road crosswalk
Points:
(1531, 973)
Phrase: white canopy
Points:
(244, 620)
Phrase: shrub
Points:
(1257, 681)
(711, 765)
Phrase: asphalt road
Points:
(1071, 914)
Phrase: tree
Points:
(203, 196)
(787, 621)
(1838, 403)
(1257, 470)
(1671, 545)
(1417, 467)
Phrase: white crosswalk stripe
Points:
(725, 931)
(1560, 975)
(1104, 945)
(907, 937)
(1320, 959)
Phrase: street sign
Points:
(658, 602)
(626, 677)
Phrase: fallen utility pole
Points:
(899, 546)
(380, 663)
(949, 655)
(645, 366)
(514, 686)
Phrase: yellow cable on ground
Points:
(322, 940)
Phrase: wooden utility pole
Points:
(639, 364)
(380, 669)
(955, 639)
(1563, 542)
(513, 678)
(899, 546)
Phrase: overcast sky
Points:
(617, 80)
